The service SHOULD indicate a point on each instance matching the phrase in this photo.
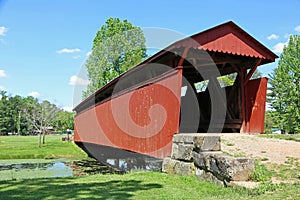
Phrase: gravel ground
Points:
(268, 149)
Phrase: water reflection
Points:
(121, 160)
(133, 163)
(47, 169)
(56, 165)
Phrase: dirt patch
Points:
(266, 149)
(280, 156)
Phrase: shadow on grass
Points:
(69, 188)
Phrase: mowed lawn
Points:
(26, 147)
(137, 185)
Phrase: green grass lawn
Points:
(26, 147)
(138, 185)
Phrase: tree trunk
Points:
(39, 142)
(43, 137)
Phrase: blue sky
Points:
(43, 44)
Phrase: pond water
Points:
(41, 168)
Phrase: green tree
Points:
(64, 120)
(14, 107)
(11, 118)
(118, 46)
(269, 122)
(4, 118)
(285, 87)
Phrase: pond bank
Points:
(50, 168)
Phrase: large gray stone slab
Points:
(236, 169)
(171, 166)
(224, 167)
(185, 168)
(168, 165)
(209, 143)
(182, 151)
(201, 141)
(201, 158)
(186, 138)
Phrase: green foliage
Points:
(11, 118)
(285, 87)
(261, 173)
(25, 115)
(269, 122)
(118, 46)
(227, 80)
(64, 120)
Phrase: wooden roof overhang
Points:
(226, 46)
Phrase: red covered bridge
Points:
(178, 90)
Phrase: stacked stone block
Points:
(200, 154)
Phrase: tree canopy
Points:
(26, 115)
(285, 87)
(118, 46)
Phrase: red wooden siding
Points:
(143, 120)
(256, 91)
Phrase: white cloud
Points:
(2, 88)
(278, 48)
(75, 80)
(34, 94)
(273, 37)
(3, 30)
(88, 53)
(66, 50)
(297, 28)
(67, 108)
(2, 73)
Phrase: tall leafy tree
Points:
(12, 119)
(64, 120)
(4, 118)
(285, 87)
(118, 46)
(14, 107)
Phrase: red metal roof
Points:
(227, 38)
